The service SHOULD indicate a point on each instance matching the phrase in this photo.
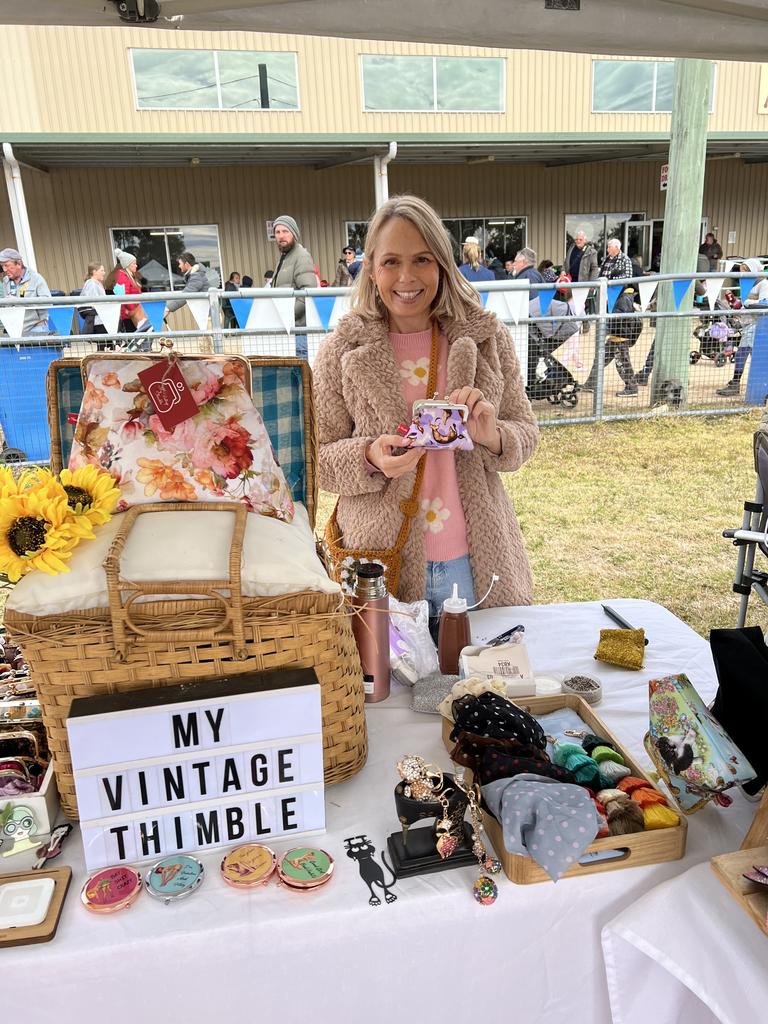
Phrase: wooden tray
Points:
(46, 930)
(729, 868)
(631, 850)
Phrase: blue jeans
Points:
(302, 349)
(441, 577)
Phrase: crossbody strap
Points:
(410, 506)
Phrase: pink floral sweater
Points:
(445, 529)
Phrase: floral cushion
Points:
(223, 453)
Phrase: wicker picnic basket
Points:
(144, 640)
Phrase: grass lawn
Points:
(637, 509)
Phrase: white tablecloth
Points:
(687, 952)
(434, 955)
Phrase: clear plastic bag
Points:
(411, 650)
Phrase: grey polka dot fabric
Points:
(552, 822)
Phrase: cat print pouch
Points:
(438, 424)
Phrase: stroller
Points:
(547, 377)
(718, 335)
(752, 536)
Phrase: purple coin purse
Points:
(439, 425)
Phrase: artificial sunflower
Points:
(8, 482)
(91, 493)
(37, 531)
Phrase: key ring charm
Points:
(422, 780)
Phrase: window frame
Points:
(434, 109)
(165, 228)
(655, 63)
(220, 109)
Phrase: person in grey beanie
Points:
(296, 269)
(22, 282)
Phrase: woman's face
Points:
(99, 274)
(406, 274)
(133, 268)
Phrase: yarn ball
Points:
(606, 795)
(611, 771)
(646, 796)
(602, 753)
(624, 817)
(565, 750)
(591, 741)
(572, 757)
(632, 782)
(485, 891)
(659, 816)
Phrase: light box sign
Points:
(195, 766)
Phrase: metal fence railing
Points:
(587, 360)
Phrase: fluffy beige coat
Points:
(359, 396)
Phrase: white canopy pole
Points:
(18, 203)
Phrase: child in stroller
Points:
(547, 377)
(719, 335)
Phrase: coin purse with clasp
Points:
(439, 424)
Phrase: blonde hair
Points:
(455, 297)
(471, 253)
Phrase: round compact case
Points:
(305, 868)
(248, 866)
(174, 878)
(111, 889)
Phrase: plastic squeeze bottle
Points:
(453, 632)
(371, 628)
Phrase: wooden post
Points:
(682, 218)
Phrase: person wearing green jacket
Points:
(296, 269)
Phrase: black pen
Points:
(618, 619)
(502, 637)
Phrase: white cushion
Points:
(278, 558)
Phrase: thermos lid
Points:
(370, 570)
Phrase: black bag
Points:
(741, 704)
(626, 328)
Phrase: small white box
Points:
(44, 804)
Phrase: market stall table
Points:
(432, 955)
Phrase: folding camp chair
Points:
(752, 536)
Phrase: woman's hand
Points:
(481, 423)
(381, 455)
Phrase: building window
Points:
(157, 251)
(215, 80)
(636, 86)
(433, 84)
(599, 227)
(499, 237)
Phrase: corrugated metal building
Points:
(162, 139)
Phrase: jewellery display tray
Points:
(631, 850)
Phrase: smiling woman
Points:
(412, 313)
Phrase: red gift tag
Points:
(168, 392)
(72, 418)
